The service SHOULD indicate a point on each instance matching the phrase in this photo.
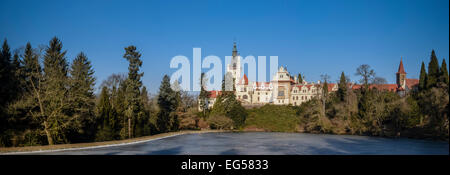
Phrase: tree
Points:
(167, 103)
(6, 75)
(227, 105)
(33, 95)
(18, 76)
(324, 96)
(366, 74)
(325, 78)
(342, 87)
(116, 84)
(379, 80)
(204, 95)
(81, 96)
(443, 72)
(133, 86)
(105, 117)
(6, 78)
(55, 119)
(423, 77)
(143, 125)
(433, 71)
(300, 78)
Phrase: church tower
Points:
(401, 75)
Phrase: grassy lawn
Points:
(273, 118)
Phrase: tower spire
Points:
(401, 75)
(401, 70)
(234, 49)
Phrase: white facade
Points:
(283, 89)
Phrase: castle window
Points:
(280, 91)
(244, 97)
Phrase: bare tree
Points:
(366, 73)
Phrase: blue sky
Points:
(312, 37)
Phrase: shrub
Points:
(220, 122)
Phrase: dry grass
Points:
(92, 144)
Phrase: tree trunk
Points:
(49, 136)
(129, 127)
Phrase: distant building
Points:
(283, 89)
(403, 85)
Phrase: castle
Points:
(285, 89)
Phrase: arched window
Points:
(244, 97)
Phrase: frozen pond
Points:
(267, 143)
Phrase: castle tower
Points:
(401, 75)
(282, 86)
(235, 66)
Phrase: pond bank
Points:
(89, 145)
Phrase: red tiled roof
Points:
(214, 94)
(411, 83)
(244, 80)
(307, 86)
(401, 70)
(388, 87)
(260, 85)
(330, 87)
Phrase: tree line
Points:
(45, 100)
(422, 112)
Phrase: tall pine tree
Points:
(423, 77)
(55, 119)
(7, 81)
(342, 87)
(105, 117)
(300, 78)
(167, 102)
(6, 76)
(444, 73)
(134, 108)
(81, 97)
(433, 71)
